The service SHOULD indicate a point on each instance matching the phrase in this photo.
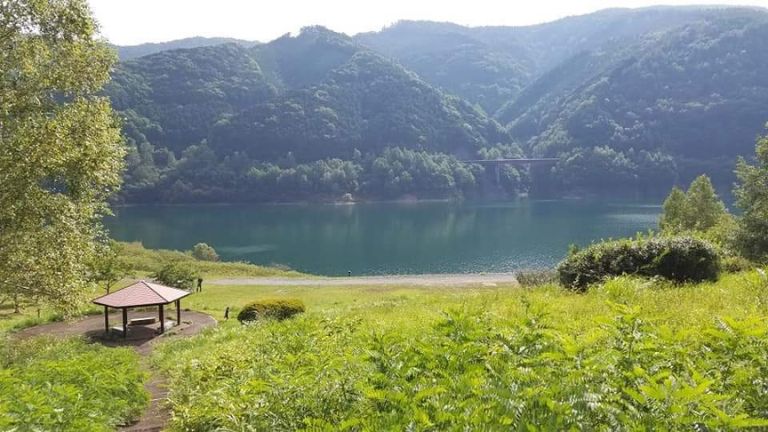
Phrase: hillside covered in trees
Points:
(628, 100)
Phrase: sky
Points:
(130, 22)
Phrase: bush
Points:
(278, 309)
(679, 259)
(176, 274)
(203, 252)
(537, 277)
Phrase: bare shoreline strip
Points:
(488, 279)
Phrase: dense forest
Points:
(627, 100)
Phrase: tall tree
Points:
(60, 148)
(674, 211)
(704, 205)
(752, 198)
(699, 209)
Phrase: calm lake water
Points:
(388, 238)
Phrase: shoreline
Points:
(448, 279)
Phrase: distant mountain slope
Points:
(626, 99)
(318, 95)
(490, 66)
(183, 92)
(698, 93)
(128, 52)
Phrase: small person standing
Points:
(199, 285)
(226, 313)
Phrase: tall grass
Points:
(50, 384)
(631, 354)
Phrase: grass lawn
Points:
(630, 354)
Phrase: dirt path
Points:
(156, 415)
(487, 279)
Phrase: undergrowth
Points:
(631, 355)
(68, 385)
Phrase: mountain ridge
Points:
(466, 92)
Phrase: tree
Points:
(674, 211)
(699, 209)
(752, 198)
(60, 149)
(177, 275)
(704, 205)
(107, 266)
(203, 252)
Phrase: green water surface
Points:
(388, 238)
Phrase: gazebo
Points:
(141, 294)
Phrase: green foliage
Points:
(486, 360)
(752, 198)
(536, 277)
(700, 209)
(177, 274)
(203, 252)
(278, 309)
(679, 259)
(401, 171)
(54, 384)
(60, 149)
(108, 266)
(140, 260)
(662, 94)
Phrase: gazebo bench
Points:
(142, 321)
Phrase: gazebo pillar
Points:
(178, 312)
(162, 320)
(106, 320)
(125, 323)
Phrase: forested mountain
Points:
(206, 123)
(627, 99)
(129, 52)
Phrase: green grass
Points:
(143, 261)
(629, 355)
(68, 385)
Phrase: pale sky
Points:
(129, 22)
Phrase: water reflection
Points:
(386, 237)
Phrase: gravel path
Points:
(486, 279)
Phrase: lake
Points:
(387, 238)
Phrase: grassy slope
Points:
(629, 353)
(68, 385)
(143, 261)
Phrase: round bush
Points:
(679, 259)
(278, 309)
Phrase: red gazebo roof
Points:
(141, 293)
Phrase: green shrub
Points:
(679, 259)
(203, 252)
(176, 274)
(537, 277)
(278, 309)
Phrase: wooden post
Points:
(162, 320)
(125, 322)
(178, 312)
(106, 320)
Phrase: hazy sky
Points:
(128, 22)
